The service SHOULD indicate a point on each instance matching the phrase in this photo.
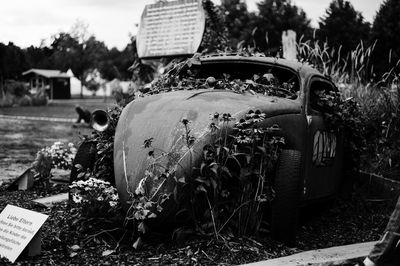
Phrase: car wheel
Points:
(85, 156)
(285, 205)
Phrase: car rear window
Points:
(271, 79)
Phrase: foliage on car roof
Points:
(182, 76)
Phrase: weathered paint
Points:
(159, 117)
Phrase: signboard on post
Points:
(171, 29)
(289, 45)
(18, 227)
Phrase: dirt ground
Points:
(21, 139)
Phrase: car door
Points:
(323, 144)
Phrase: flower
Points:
(77, 198)
(243, 139)
(225, 193)
(114, 197)
(226, 117)
(185, 121)
(213, 126)
(147, 142)
(140, 188)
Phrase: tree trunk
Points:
(2, 93)
(80, 78)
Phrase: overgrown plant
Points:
(226, 190)
(104, 165)
(182, 77)
(58, 156)
(95, 196)
(94, 208)
(367, 105)
(234, 179)
(353, 68)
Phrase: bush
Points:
(373, 120)
(25, 100)
(6, 101)
(39, 99)
(16, 88)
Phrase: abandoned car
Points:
(309, 165)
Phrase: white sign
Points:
(171, 28)
(289, 45)
(17, 227)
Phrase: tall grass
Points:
(377, 97)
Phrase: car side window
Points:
(324, 141)
(319, 90)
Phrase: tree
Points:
(343, 26)
(38, 57)
(71, 53)
(67, 53)
(12, 61)
(215, 37)
(276, 16)
(386, 31)
(239, 22)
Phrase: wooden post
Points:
(289, 45)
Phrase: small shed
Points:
(56, 83)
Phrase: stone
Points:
(49, 201)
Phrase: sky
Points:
(33, 22)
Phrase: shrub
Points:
(373, 120)
(57, 156)
(16, 88)
(39, 99)
(225, 192)
(93, 197)
(25, 100)
(6, 101)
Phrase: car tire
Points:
(285, 205)
(85, 156)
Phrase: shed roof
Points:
(48, 73)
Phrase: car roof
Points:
(302, 69)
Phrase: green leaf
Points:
(75, 247)
(201, 189)
(213, 183)
(264, 151)
(176, 194)
(80, 175)
(138, 243)
(202, 168)
(226, 170)
(107, 252)
(142, 228)
(181, 212)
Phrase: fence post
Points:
(289, 45)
